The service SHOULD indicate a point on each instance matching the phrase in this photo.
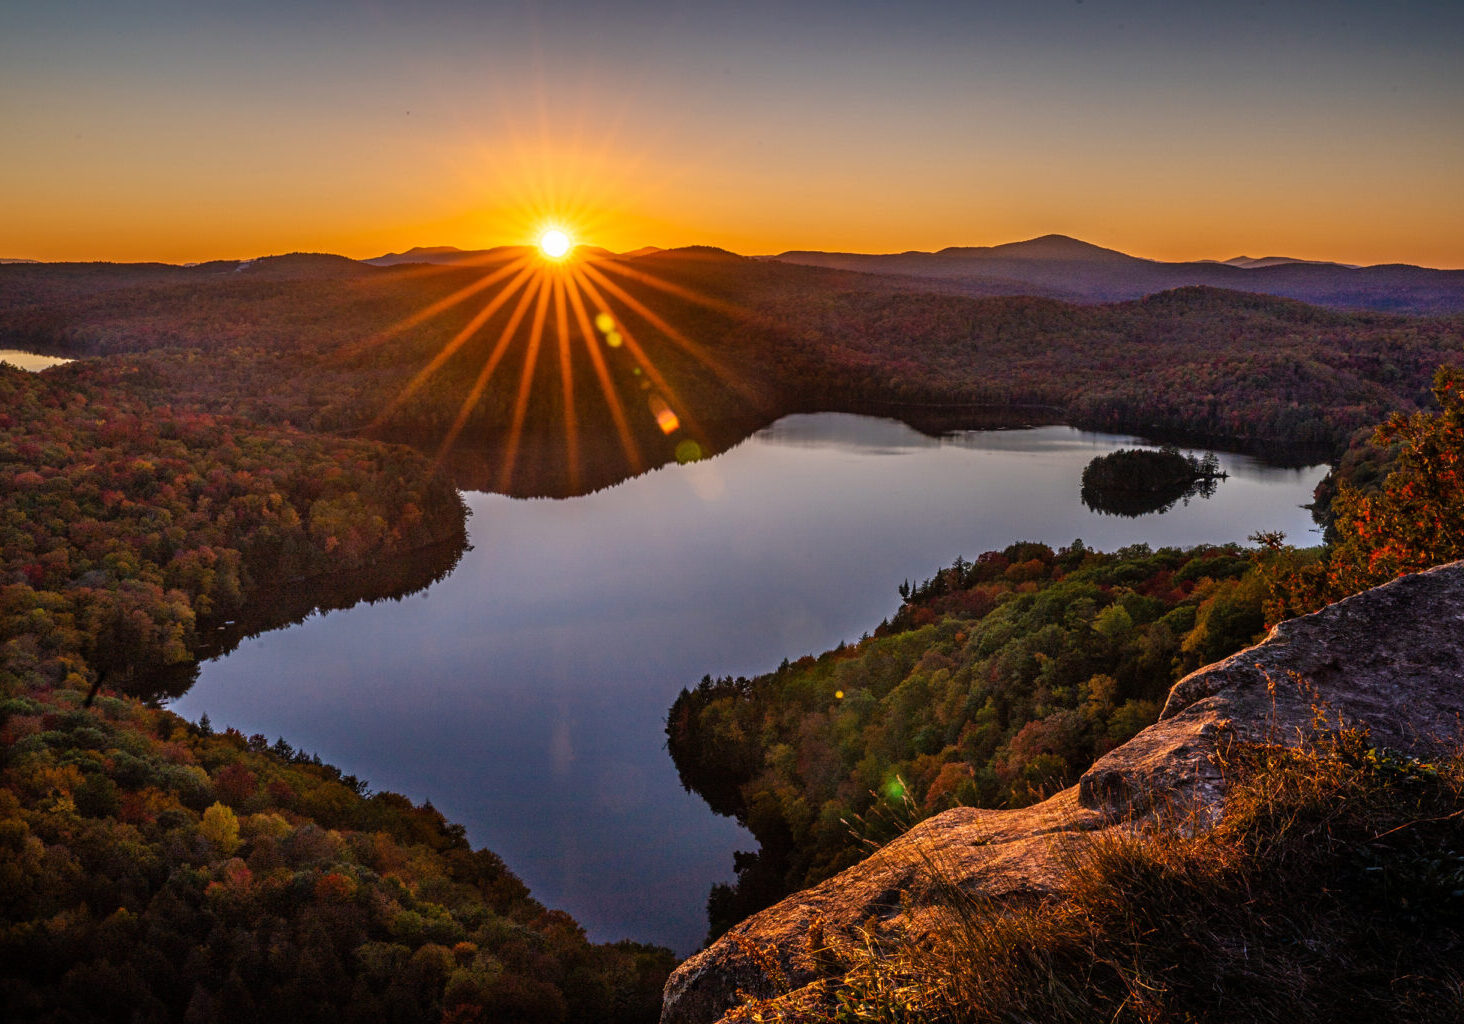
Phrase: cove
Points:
(525, 694)
(32, 361)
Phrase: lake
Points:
(525, 695)
(32, 361)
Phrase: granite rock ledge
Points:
(1390, 659)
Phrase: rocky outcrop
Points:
(1390, 659)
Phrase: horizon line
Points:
(25, 261)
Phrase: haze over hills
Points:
(1251, 262)
(309, 340)
(1051, 266)
(447, 255)
(1059, 267)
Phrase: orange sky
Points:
(173, 134)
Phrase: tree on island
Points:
(1137, 481)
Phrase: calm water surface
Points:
(525, 695)
(30, 360)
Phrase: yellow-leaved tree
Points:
(220, 826)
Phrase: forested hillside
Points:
(1067, 268)
(130, 531)
(998, 681)
(725, 343)
(222, 468)
(153, 871)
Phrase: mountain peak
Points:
(440, 254)
(301, 264)
(1252, 263)
(1056, 247)
(429, 250)
(710, 252)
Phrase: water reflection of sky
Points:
(525, 695)
(30, 360)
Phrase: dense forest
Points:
(998, 681)
(226, 464)
(130, 532)
(726, 343)
(151, 870)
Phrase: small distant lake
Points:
(525, 695)
(30, 360)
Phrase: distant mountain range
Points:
(447, 255)
(1250, 263)
(1059, 267)
(1052, 266)
(331, 343)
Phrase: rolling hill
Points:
(727, 343)
(1055, 266)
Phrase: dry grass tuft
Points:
(1332, 888)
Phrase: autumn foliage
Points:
(125, 526)
(1411, 519)
(997, 682)
(308, 341)
(1417, 518)
(151, 870)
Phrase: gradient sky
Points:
(155, 129)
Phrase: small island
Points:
(1138, 481)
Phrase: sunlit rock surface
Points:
(1390, 659)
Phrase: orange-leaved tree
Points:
(1413, 521)
(1417, 519)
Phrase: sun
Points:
(555, 244)
(562, 302)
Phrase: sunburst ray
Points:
(671, 288)
(697, 351)
(526, 383)
(434, 309)
(500, 349)
(461, 338)
(655, 376)
(566, 377)
(602, 374)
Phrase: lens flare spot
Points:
(667, 420)
(894, 790)
(838, 695)
(605, 322)
(613, 339)
(688, 451)
(555, 244)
